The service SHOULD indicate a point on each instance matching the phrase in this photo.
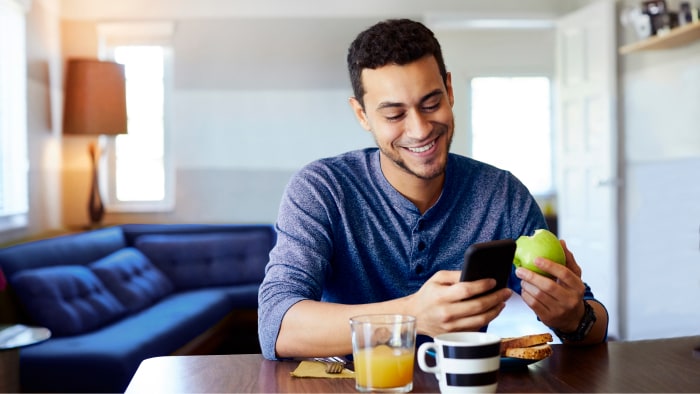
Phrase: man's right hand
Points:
(444, 304)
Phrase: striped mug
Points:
(465, 362)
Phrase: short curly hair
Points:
(393, 41)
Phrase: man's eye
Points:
(431, 108)
(394, 118)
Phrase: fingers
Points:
(536, 291)
(570, 260)
(565, 279)
(541, 281)
(476, 321)
(475, 313)
(553, 301)
(445, 304)
(445, 277)
(462, 290)
(564, 275)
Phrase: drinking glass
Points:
(383, 349)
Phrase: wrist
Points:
(583, 327)
(573, 324)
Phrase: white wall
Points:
(661, 99)
(663, 248)
(235, 150)
(660, 102)
(267, 130)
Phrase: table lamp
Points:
(95, 104)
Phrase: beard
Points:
(431, 169)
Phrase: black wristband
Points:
(584, 326)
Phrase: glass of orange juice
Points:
(383, 351)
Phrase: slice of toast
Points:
(536, 352)
(530, 347)
(525, 341)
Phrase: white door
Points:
(587, 148)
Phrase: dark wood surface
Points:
(662, 365)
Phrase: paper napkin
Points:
(317, 369)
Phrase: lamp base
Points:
(96, 209)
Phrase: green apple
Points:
(541, 244)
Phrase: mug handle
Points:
(422, 351)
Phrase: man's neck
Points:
(424, 197)
(423, 193)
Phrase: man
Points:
(384, 230)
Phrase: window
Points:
(13, 116)
(511, 128)
(138, 174)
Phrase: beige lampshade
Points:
(95, 98)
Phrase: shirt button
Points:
(421, 246)
(419, 269)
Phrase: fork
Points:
(333, 364)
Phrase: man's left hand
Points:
(559, 302)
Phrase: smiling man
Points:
(384, 230)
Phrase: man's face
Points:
(408, 109)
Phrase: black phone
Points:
(492, 259)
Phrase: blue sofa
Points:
(113, 297)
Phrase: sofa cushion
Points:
(67, 299)
(132, 278)
(199, 260)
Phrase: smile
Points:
(422, 148)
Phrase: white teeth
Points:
(422, 148)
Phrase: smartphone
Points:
(492, 259)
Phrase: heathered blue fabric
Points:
(345, 235)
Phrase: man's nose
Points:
(418, 125)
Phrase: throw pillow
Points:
(67, 299)
(132, 278)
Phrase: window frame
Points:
(112, 35)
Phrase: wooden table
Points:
(662, 365)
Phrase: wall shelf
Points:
(679, 36)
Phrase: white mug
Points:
(465, 362)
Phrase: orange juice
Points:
(383, 367)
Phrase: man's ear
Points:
(359, 113)
(450, 92)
